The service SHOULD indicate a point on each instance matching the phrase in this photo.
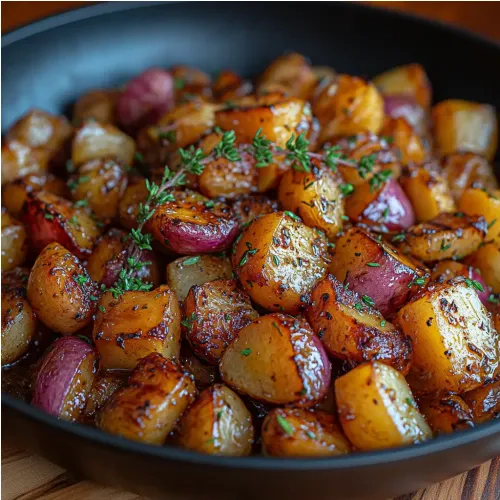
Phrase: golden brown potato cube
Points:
(278, 260)
(348, 106)
(98, 105)
(147, 408)
(465, 126)
(447, 236)
(487, 260)
(229, 86)
(247, 207)
(136, 324)
(102, 182)
(277, 359)
(14, 242)
(427, 191)
(217, 423)
(352, 330)
(463, 170)
(19, 160)
(377, 410)
(94, 140)
(375, 270)
(293, 72)
(214, 313)
(455, 347)
(484, 402)
(277, 116)
(135, 194)
(60, 291)
(104, 386)
(446, 414)
(487, 204)
(409, 80)
(315, 197)
(294, 432)
(400, 133)
(50, 218)
(189, 82)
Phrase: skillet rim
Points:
(354, 460)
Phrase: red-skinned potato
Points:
(447, 236)
(214, 314)
(249, 207)
(293, 72)
(375, 270)
(65, 377)
(347, 106)
(14, 242)
(427, 191)
(51, 218)
(277, 359)
(135, 194)
(487, 204)
(60, 290)
(405, 138)
(278, 260)
(193, 224)
(405, 106)
(102, 182)
(446, 414)
(384, 207)
(377, 410)
(351, 330)
(104, 386)
(148, 407)
(487, 260)
(409, 80)
(315, 197)
(455, 347)
(228, 86)
(98, 104)
(108, 257)
(185, 272)
(295, 432)
(94, 140)
(464, 170)
(484, 401)
(136, 324)
(465, 126)
(145, 98)
(19, 160)
(217, 423)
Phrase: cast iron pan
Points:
(50, 63)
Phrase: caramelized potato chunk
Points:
(484, 402)
(217, 423)
(352, 330)
(14, 242)
(204, 375)
(99, 105)
(104, 386)
(455, 347)
(377, 410)
(375, 270)
(128, 208)
(147, 408)
(228, 86)
(465, 126)
(60, 290)
(19, 160)
(136, 324)
(278, 260)
(484, 203)
(446, 236)
(277, 359)
(446, 414)
(249, 207)
(294, 432)
(405, 138)
(487, 260)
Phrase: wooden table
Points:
(28, 477)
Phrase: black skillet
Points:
(48, 64)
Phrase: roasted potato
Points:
(447, 236)
(446, 414)
(217, 423)
(465, 126)
(377, 410)
(352, 330)
(247, 207)
(60, 291)
(98, 104)
(400, 133)
(278, 260)
(455, 347)
(135, 324)
(102, 182)
(375, 270)
(228, 86)
(487, 260)
(50, 218)
(427, 191)
(128, 208)
(214, 313)
(315, 197)
(484, 401)
(19, 160)
(14, 242)
(189, 82)
(277, 359)
(295, 432)
(204, 374)
(104, 386)
(147, 408)
(484, 203)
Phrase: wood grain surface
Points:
(29, 477)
